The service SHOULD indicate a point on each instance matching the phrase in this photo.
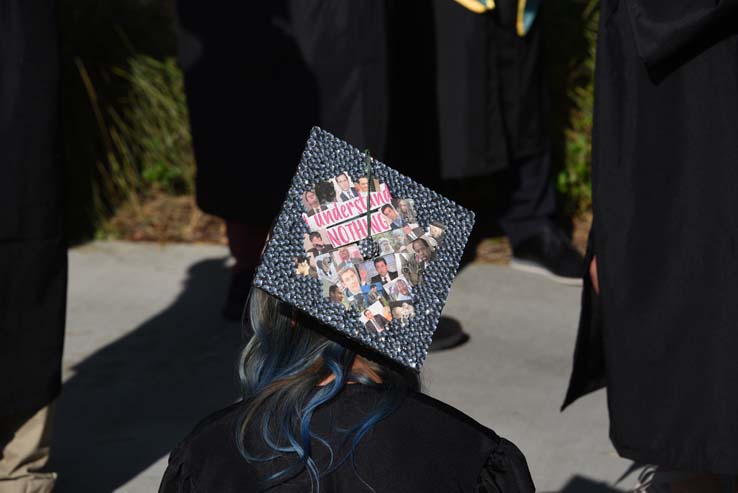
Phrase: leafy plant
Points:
(148, 146)
(97, 36)
(155, 124)
(574, 178)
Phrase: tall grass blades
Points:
(147, 144)
(155, 126)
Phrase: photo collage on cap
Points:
(380, 288)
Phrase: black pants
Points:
(519, 200)
(527, 197)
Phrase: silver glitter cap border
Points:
(325, 156)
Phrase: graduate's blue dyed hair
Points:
(281, 369)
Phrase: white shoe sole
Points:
(535, 268)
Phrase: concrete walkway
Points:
(147, 355)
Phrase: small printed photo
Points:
(386, 242)
(363, 274)
(317, 244)
(413, 231)
(406, 208)
(393, 218)
(326, 268)
(311, 203)
(400, 241)
(399, 290)
(408, 268)
(326, 193)
(334, 293)
(381, 269)
(358, 303)
(436, 233)
(303, 267)
(423, 250)
(362, 185)
(389, 242)
(346, 188)
(402, 311)
(350, 282)
(347, 256)
(373, 293)
(376, 317)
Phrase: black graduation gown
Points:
(260, 75)
(33, 256)
(468, 96)
(492, 96)
(251, 103)
(423, 446)
(663, 334)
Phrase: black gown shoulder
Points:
(425, 445)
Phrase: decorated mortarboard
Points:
(368, 252)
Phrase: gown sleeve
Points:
(505, 471)
(177, 478)
(665, 29)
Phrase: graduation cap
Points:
(368, 252)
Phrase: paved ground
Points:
(147, 355)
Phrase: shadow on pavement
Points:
(579, 484)
(132, 401)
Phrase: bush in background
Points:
(145, 186)
(98, 39)
(571, 40)
(155, 125)
(148, 148)
(147, 140)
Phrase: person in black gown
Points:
(469, 107)
(33, 247)
(658, 321)
(367, 428)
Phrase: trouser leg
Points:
(530, 199)
(245, 243)
(25, 439)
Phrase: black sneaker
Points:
(448, 334)
(551, 254)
